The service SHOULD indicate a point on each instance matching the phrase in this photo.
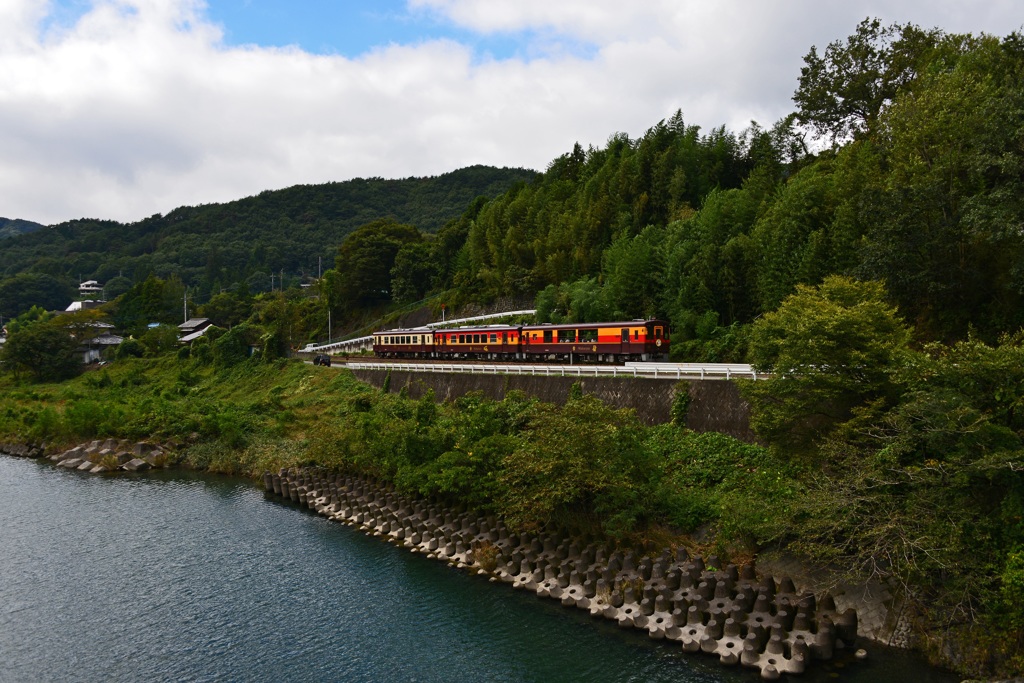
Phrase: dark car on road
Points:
(322, 359)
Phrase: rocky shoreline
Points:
(743, 617)
(99, 457)
(703, 605)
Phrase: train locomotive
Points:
(612, 342)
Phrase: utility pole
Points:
(186, 306)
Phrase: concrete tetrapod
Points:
(726, 611)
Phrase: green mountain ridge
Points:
(13, 227)
(275, 231)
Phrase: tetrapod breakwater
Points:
(696, 603)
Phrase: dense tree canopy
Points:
(46, 350)
(843, 92)
(831, 349)
(365, 261)
(25, 290)
(213, 247)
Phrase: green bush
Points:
(130, 348)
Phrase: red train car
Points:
(637, 340)
(613, 342)
(492, 342)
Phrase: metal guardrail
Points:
(650, 370)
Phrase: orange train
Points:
(614, 342)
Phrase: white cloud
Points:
(139, 107)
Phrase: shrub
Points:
(130, 348)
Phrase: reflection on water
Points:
(186, 577)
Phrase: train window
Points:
(657, 333)
(625, 334)
(416, 339)
(587, 336)
(494, 338)
(462, 339)
(566, 336)
(547, 336)
(636, 335)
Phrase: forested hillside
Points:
(917, 182)
(12, 227)
(245, 241)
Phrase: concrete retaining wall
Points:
(715, 405)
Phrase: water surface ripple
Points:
(179, 577)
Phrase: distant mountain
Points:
(12, 227)
(293, 230)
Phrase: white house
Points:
(90, 287)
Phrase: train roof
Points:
(481, 328)
(576, 326)
(404, 330)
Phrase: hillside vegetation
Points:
(865, 252)
(11, 227)
(218, 246)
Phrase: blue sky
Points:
(345, 27)
(349, 27)
(124, 108)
